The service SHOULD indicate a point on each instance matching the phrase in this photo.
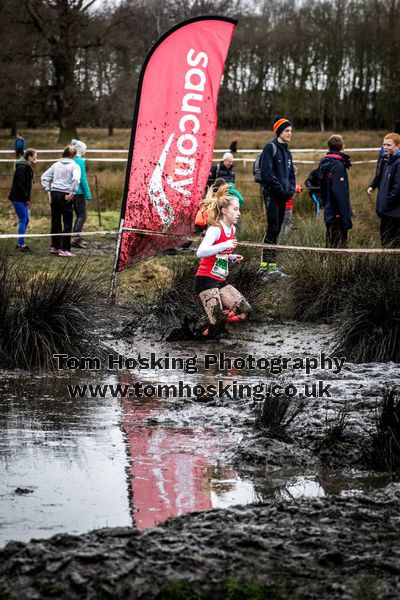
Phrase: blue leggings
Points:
(22, 213)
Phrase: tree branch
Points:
(38, 21)
(88, 5)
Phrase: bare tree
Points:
(62, 23)
(323, 63)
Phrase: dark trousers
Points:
(390, 232)
(336, 236)
(62, 212)
(80, 212)
(275, 215)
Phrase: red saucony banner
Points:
(173, 134)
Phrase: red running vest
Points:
(207, 263)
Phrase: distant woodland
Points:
(325, 64)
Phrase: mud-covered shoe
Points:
(231, 317)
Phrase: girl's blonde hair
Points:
(215, 201)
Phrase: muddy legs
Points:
(228, 297)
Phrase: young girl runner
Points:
(221, 302)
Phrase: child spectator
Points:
(20, 194)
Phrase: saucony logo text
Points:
(186, 144)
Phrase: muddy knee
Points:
(212, 307)
(243, 308)
(217, 313)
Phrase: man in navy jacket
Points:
(388, 199)
(279, 185)
(335, 195)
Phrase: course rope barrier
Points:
(196, 238)
(216, 151)
(237, 157)
(215, 160)
(245, 244)
(11, 236)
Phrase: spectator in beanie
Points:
(278, 182)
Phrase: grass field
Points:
(142, 279)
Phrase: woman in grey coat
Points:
(61, 181)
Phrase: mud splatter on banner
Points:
(173, 135)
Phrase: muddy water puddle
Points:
(76, 465)
(73, 465)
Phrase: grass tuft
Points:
(274, 415)
(359, 294)
(46, 315)
(368, 325)
(317, 285)
(334, 443)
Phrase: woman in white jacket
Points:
(61, 181)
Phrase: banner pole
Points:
(113, 283)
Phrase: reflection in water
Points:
(298, 486)
(228, 492)
(170, 467)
